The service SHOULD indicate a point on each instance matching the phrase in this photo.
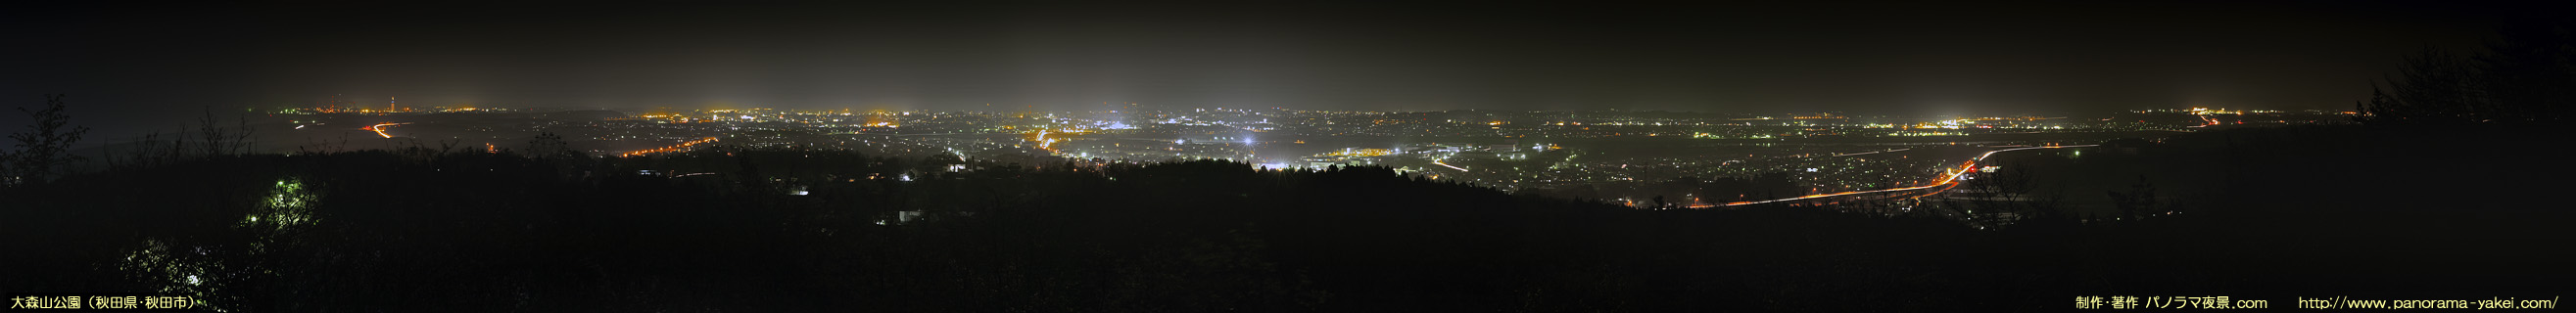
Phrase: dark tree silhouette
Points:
(44, 148)
(2432, 87)
(2530, 71)
(2138, 202)
(548, 145)
(2525, 76)
(219, 141)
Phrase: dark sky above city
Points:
(144, 61)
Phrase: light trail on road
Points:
(1869, 153)
(1949, 177)
(1437, 162)
(380, 129)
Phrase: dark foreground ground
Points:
(2270, 214)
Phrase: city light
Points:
(1080, 157)
(672, 148)
(1949, 178)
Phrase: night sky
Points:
(136, 63)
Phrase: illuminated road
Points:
(1437, 162)
(1869, 153)
(1044, 143)
(1948, 178)
(672, 148)
(380, 129)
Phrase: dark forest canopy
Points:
(2525, 76)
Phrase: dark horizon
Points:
(126, 67)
